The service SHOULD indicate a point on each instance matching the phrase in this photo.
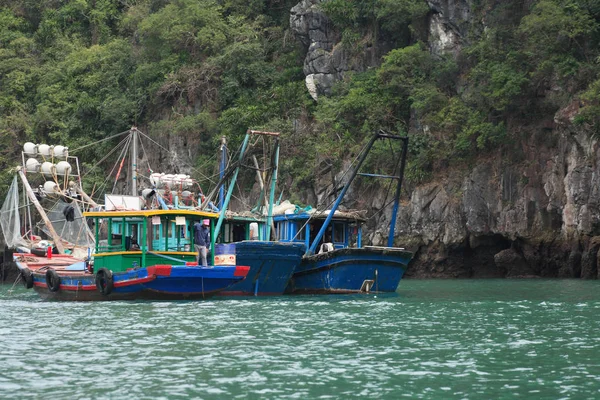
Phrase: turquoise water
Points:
(434, 339)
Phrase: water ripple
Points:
(434, 339)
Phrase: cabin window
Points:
(339, 232)
(168, 231)
(225, 235)
(283, 229)
(239, 232)
(301, 231)
(156, 232)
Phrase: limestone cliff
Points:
(533, 215)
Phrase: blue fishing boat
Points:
(336, 261)
(245, 237)
(145, 255)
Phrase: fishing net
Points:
(10, 219)
(69, 224)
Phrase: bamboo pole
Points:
(87, 198)
(262, 189)
(36, 203)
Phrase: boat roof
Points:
(350, 215)
(245, 216)
(150, 213)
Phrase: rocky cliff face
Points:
(534, 216)
(326, 58)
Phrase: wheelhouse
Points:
(131, 239)
(237, 228)
(303, 228)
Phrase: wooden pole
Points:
(262, 189)
(36, 203)
(87, 198)
(272, 193)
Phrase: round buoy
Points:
(32, 165)
(30, 149)
(61, 151)
(45, 150)
(48, 169)
(63, 168)
(50, 187)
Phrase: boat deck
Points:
(58, 262)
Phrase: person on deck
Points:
(202, 240)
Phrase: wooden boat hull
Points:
(271, 267)
(159, 282)
(368, 269)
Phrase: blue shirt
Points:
(201, 235)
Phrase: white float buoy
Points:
(50, 187)
(167, 180)
(183, 181)
(30, 149)
(32, 165)
(45, 150)
(63, 168)
(48, 168)
(155, 179)
(188, 183)
(61, 151)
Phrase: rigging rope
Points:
(99, 141)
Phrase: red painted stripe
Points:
(194, 263)
(135, 281)
(241, 270)
(76, 288)
(73, 288)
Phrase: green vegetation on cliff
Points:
(77, 71)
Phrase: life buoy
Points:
(104, 281)
(52, 280)
(27, 277)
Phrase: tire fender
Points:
(104, 281)
(52, 280)
(27, 277)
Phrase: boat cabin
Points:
(239, 227)
(131, 239)
(345, 230)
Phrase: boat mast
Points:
(262, 188)
(232, 184)
(134, 157)
(398, 189)
(237, 170)
(222, 171)
(272, 190)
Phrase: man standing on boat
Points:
(202, 240)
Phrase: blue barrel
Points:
(225, 254)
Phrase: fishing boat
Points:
(136, 252)
(271, 263)
(145, 255)
(335, 260)
(246, 236)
